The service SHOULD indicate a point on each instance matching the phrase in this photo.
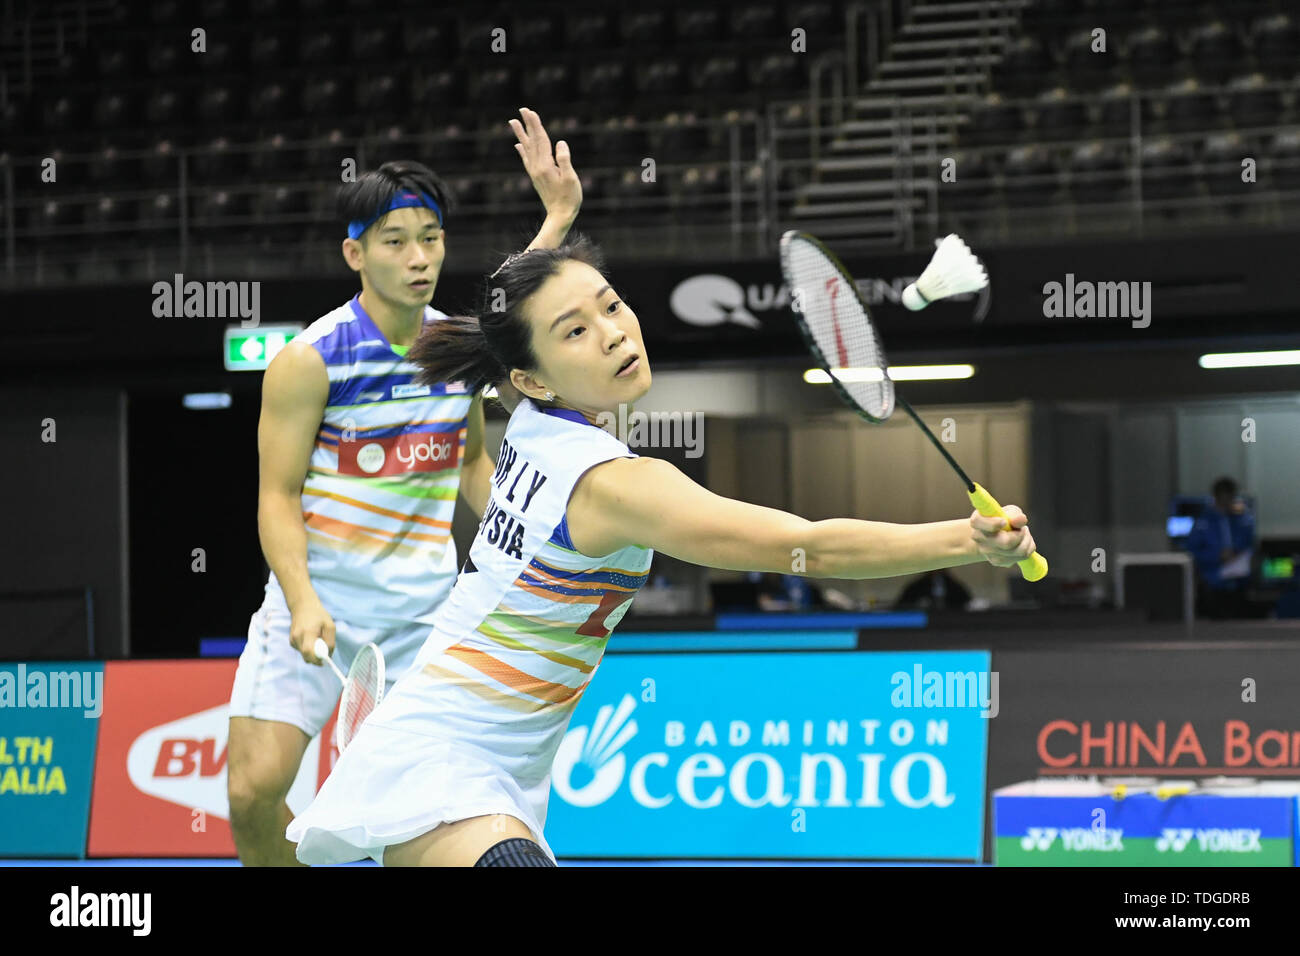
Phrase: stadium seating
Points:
(287, 89)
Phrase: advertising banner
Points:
(778, 755)
(728, 309)
(1176, 713)
(1060, 823)
(160, 775)
(49, 716)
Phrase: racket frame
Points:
(811, 341)
(1034, 567)
(349, 686)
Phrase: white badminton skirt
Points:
(416, 764)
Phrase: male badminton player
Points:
(360, 469)
(454, 766)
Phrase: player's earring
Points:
(550, 396)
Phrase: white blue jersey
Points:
(473, 727)
(381, 485)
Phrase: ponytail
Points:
(455, 349)
(484, 349)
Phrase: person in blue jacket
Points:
(1221, 543)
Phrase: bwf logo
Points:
(1100, 300)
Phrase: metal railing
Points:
(172, 220)
(754, 174)
(35, 36)
(1142, 203)
(755, 180)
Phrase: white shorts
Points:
(420, 761)
(273, 682)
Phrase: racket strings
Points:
(840, 327)
(361, 694)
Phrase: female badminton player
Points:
(453, 768)
(358, 533)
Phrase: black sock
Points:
(515, 851)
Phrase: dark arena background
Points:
(1128, 171)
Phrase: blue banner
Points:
(788, 755)
(49, 719)
(1145, 815)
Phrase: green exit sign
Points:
(251, 350)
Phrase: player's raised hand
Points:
(553, 177)
(1000, 547)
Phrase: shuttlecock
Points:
(953, 270)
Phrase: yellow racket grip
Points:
(1034, 567)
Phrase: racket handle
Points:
(322, 651)
(1034, 567)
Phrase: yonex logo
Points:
(1041, 839)
(1210, 840)
(1038, 838)
(1174, 840)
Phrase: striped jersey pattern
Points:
(381, 485)
(539, 646)
(523, 632)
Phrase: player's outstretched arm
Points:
(553, 177)
(476, 471)
(648, 502)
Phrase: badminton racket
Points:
(837, 325)
(363, 689)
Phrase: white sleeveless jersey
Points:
(381, 485)
(521, 636)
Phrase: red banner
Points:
(160, 773)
